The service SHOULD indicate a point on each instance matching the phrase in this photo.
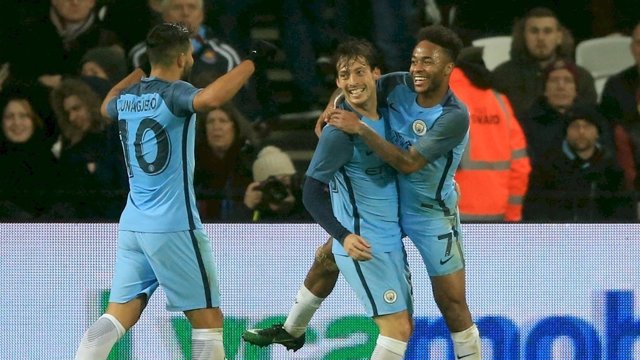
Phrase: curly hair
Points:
(443, 37)
(76, 87)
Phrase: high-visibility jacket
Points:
(494, 172)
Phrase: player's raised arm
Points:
(227, 86)
(131, 79)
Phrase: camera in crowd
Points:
(273, 190)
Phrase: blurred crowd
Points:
(544, 145)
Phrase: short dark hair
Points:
(165, 41)
(443, 37)
(354, 48)
(538, 12)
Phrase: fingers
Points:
(358, 248)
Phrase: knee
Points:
(397, 327)
(405, 329)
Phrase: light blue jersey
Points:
(439, 133)
(364, 198)
(428, 199)
(157, 129)
(363, 188)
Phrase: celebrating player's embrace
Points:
(428, 128)
(388, 156)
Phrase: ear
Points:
(448, 68)
(376, 73)
(181, 60)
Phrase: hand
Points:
(357, 247)
(262, 52)
(346, 121)
(322, 119)
(253, 196)
(50, 81)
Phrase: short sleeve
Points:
(181, 101)
(447, 132)
(335, 149)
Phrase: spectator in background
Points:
(544, 122)
(620, 103)
(89, 157)
(106, 63)
(578, 181)
(26, 162)
(212, 58)
(275, 195)
(538, 40)
(224, 154)
(118, 17)
(49, 45)
(494, 171)
(52, 44)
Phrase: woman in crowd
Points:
(26, 163)
(224, 154)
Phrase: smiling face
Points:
(358, 82)
(430, 68)
(17, 124)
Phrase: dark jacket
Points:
(25, 184)
(621, 96)
(544, 128)
(566, 188)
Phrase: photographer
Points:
(275, 194)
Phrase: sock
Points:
(388, 349)
(206, 344)
(466, 344)
(301, 312)
(99, 338)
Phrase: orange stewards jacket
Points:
(494, 171)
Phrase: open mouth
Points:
(356, 92)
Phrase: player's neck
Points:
(432, 98)
(169, 74)
(368, 109)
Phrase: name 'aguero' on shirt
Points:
(143, 103)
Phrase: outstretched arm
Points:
(404, 161)
(223, 88)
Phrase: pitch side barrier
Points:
(540, 292)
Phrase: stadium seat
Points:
(496, 50)
(604, 56)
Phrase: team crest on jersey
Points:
(419, 127)
(209, 56)
(390, 296)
